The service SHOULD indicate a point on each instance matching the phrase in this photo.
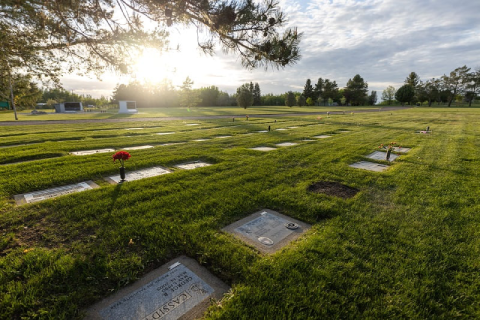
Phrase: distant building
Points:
(68, 107)
(127, 107)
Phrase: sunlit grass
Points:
(406, 246)
(175, 112)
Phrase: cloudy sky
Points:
(383, 41)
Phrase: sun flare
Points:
(154, 66)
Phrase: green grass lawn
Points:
(174, 112)
(406, 246)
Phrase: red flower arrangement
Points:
(121, 156)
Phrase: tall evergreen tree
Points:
(372, 98)
(413, 79)
(318, 90)
(356, 91)
(308, 90)
(257, 95)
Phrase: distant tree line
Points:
(461, 85)
(327, 93)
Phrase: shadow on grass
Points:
(115, 194)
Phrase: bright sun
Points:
(154, 66)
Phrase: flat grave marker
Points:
(90, 152)
(370, 166)
(54, 192)
(164, 133)
(267, 230)
(263, 148)
(286, 144)
(138, 174)
(379, 155)
(222, 137)
(262, 131)
(23, 144)
(135, 128)
(193, 165)
(172, 143)
(138, 148)
(323, 136)
(281, 129)
(401, 149)
(179, 289)
(292, 127)
(199, 140)
(192, 124)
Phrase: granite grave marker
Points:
(139, 174)
(379, 155)
(90, 152)
(370, 166)
(267, 230)
(54, 192)
(178, 289)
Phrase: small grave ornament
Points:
(121, 156)
(389, 147)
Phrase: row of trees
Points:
(327, 92)
(164, 94)
(461, 84)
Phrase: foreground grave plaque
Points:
(292, 127)
(200, 140)
(263, 148)
(401, 150)
(54, 192)
(281, 129)
(222, 137)
(89, 152)
(379, 155)
(262, 131)
(371, 166)
(193, 165)
(164, 133)
(139, 174)
(179, 289)
(138, 148)
(267, 230)
(193, 124)
(286, 144)
(322, 136)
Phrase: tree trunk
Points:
(11, 95)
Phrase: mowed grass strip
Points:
(406, 246)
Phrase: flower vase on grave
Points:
(122, 173)
(388, 154)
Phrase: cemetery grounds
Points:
(407, 245)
